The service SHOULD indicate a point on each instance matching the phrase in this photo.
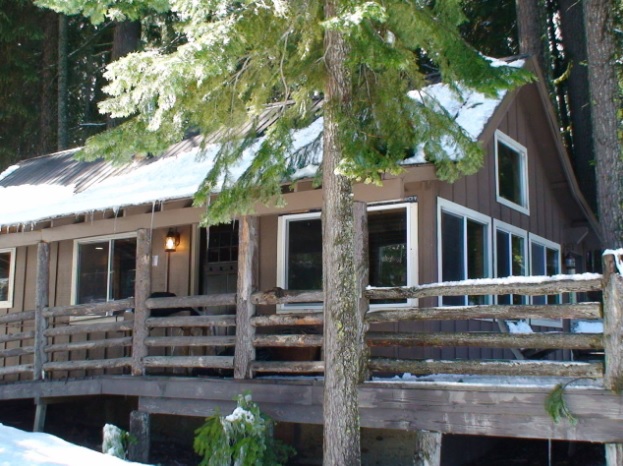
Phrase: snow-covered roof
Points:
(57, 185)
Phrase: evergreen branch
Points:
(557, 407)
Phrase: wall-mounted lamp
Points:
(172, 240)
(570, 263)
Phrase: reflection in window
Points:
(511, 163)
(106, 270)
(545, 261)
(304, 249)
(387, 250)
(510, 261)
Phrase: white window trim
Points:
(412, 257)
(443, 205)
(74, 266)
(523, 152)
(546, 243)
(9, 301)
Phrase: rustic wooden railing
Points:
(80, 338)
(180, 339)
(539, 286)
(17, 343)
(273, 343)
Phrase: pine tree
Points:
(233, 58)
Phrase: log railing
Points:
(87, 337)
(190, 342)
(534, 286)
(17, 344)
(247, 343)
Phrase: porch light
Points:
(570, 263)
(172, 240)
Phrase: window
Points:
(544, 260)
(463, 248)
(511, 164)
(104, 269)
(511, 256)
(7, 273)
(391, 251)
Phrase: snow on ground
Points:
(19, 448)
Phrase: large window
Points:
(463, 249)
(511, 163)
(511, 256)
(7, 272)
(391, 250)
(104, 269)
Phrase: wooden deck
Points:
(452, 408)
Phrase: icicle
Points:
(151, 222)
(115, 211)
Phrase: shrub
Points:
(244, 438)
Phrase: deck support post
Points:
(142, 288)
(427, 448)
(613, 342)
(41, 408)
(41, 302)
(138, 450)
(245, 309)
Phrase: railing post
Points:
(613, 324)
(362, 271)
(142, 288)
(41, 302)
(245, 309)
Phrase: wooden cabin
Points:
(521, 214)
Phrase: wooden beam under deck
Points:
(489, 410)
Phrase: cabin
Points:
(107, 275)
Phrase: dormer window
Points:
(511, 166)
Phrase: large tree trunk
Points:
(576, 87)
(605, 97)
(126, 39)
(63, 73)
(531, 29)
(47, 102)
(343, 325)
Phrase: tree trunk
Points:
(63, 71)
(603, 87)
(575, 88)
(531, 29)
(343, 334)
(47, 102)
(126, 38)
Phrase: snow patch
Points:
(38, 449)
(587, 326)
(519, 327)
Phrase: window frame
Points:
(501, 138)
(547, 244)
(452, 208)
(8, 303)
(74, 266)
(412, 247)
